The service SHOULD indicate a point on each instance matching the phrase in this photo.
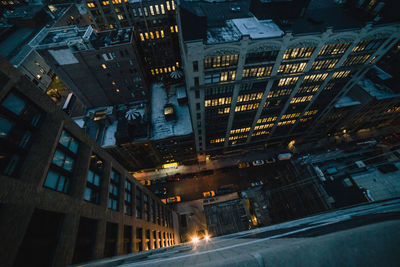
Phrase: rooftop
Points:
(23, 12)
(210, 21)
(310, 241)
(377, 90)
(346, 101)
(161, 127)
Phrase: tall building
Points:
(155, 28)
(100, 68)
(254, 82)
(63, 199)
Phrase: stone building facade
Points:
(253, 82)
(63, 199)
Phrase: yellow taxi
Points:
(171, 200)
(209, 193)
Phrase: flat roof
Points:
(161, 128)
(346, 101)
(377, 90)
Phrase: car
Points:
(257, 183)
(243, 165)
(171, 200)
(209, 193)
(161, 191)
(270, 160)
(258, 162)
(146, 182)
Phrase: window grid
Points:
(302, 52)
(221, 61)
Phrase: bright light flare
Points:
(195, 239)
(207, 237)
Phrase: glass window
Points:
(14, 104)
(5, 127)
(69, 142)
(113, 196)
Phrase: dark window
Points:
(128, 198)
(146, 206)
(153, 211)
(138, 203)
(60, 173)
(196, 81)
(198, 106)
(92, 190)
(197, 92)
(127, 239)
(195, 66)
(18, 120)
(114, 190)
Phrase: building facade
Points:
(155, 27)
(100, 68)
(63, 199)
(252, 82)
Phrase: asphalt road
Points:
(273, 175)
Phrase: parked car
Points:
(145, 182)
(209, 193)
(243, 165)
(270, 160)
(171, 200)
(257, 183)
(258, 162)
(285, 156)
(161, 191)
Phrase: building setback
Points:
(63, 199)
(145, 136)
(155, 27)
(254, 82)
(100, 68)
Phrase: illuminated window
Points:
(157, 35)
(267, 119)
(221, 61)
(341, 74)
(104, 66)
(302, 52)
(220, 77)
(292, 67)
(157, 10)
(162, 33)
(146, 35)
(315, 78)
(176, 28)
(356, 60)
(224, 110)
(282, 123)
(90, 5)
(218, 101)
(173, 5)
(308, 89)
(111, 26)
(290, 116)
(279, 93)
(368, 45)
(310, 112)
(288, 81)
(241, 130)
(142, 36)
(324, 64)
(162, 9)
(256, 72)
(217, 140)
(249, 97)
(145, 11)
(172, 28)
(120, 17)
(151, 35)
(105, 3)
(246, 107)
(333, 49)
(151, 10)
(301, 99)
(168, 6)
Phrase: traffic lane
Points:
(192, 188)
